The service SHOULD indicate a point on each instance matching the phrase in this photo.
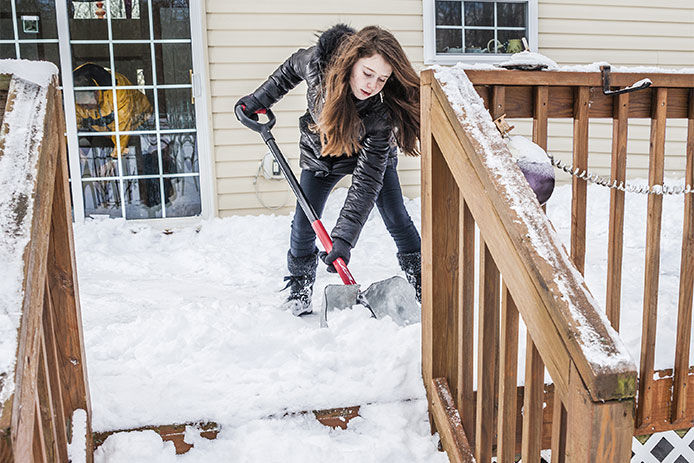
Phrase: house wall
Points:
(248, 40)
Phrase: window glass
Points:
(511, 14)
(449, 41)
(479, 14)
(448, 14)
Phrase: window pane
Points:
(449, 41)
(87, 21)
(133, 62)
(141, 157)
(101, 198)
(135, 109)
(7, 50)
(130, 19)
(448, 14)
(176, 109)
(40, 51)
(142, 198)
(97, 56)
(97, 157)
(179, 153)
(36, 19)
(511, 41)
(479, 13)
(171, 19)
(511, 14)
(173, 63)
(476, 40)
(182, 196)
(6, 27)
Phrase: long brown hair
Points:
(339, 124)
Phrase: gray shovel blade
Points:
(394, 297)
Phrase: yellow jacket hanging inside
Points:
(133, 106)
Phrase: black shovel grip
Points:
(255, 125)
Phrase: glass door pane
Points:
(136, 130)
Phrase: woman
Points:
(363, 103)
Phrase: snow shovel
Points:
(394, 297)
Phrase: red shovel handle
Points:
(327, 243)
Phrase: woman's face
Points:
(369, 75)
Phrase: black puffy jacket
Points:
(378, 148)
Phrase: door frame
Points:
(200, 91)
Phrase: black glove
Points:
(251, 106)
(341, 248)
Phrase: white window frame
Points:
(431, 57)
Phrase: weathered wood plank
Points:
(427, 243)
(532, 403)
(541, 94)
(662, 408)
(466, 400)
(575, 79)
(488, 333)
(559, 417)
(578, 186)
(45, 401)
(508, 372)
(448, 423)
(652, 266)
(172, 433)
(38, 443)
(620, 126)
(684, 316)
(605, 428)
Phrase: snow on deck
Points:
(20, 136)
(472, 114)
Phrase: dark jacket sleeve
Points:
(367, 178)
(286, 77)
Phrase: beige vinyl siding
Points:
(246, 43)
(622, 33)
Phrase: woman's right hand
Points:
(251, 106)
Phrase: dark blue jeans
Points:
(389, 202)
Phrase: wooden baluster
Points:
(650, 291)
(578, 186)
(533, 395)
(54, 375)
(508, 385)
(488, 333)
(45, 400)
(620, 126)
(680, 410)
(38, 443)
(540, 116)
(466, 341)
(559, 424)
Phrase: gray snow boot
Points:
(411, 264)
(300, 283)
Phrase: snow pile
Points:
(20, 137)
(77, 449)
(522, 149)
(37, 72)
(527, 58)
(472, 114)
(390, 432)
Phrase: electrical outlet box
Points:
(270, 167)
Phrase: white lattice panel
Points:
(664, 447)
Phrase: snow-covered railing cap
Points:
(23, 101)
(583, 333)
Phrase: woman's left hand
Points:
(341, 248)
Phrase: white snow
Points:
(528, 58)
(77, 448)
(523, 149)
(472, 114)
(37, 72)
(20, 136)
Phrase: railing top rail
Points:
(24, 205)
(602, 360)
(577, 79)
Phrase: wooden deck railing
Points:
(50, 374)
(523, 271)
(666, 401)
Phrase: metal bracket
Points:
(605, 73)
